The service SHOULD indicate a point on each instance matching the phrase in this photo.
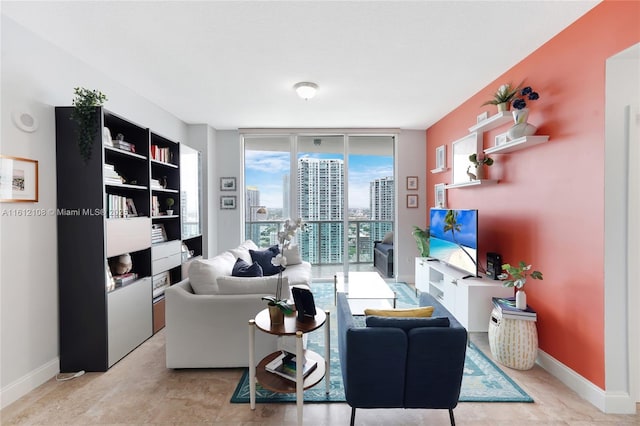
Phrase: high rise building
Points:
(321, 199)
(381, 204)
(252, 202)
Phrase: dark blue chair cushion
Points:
(406, 323)
(244, 269)
(263, 258)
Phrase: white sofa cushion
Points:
(292, 254)
(203, 273)
(298, 274)
(254, 285)
(242, 251)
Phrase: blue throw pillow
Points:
(244, 269)
(406, 323)
(263, 258)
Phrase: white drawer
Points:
(127, 235)
(158, 251)
(165, 263)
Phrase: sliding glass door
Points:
(343, 187)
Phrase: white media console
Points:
(468, 299)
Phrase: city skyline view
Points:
(265, 170)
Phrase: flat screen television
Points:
(453, 238)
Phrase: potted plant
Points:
(84, 114)
(518, 279)
(503, 96)
(170, 202)
(478, 163)
(278, 307)
(422, 240)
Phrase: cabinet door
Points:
(422, 274)
(450, 295)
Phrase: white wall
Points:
(229, 164)
(411, 160)
(38, 76)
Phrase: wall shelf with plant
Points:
(495, 121)
(472, 183)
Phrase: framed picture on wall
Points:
(18, 179)
(412, 201)
(441, 157)
(412, 183)
(227, 184)
(440, 196)
(228, 202)
(462, 149)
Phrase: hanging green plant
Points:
(84, 114)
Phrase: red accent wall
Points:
(548, 207)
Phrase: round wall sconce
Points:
(25, 121)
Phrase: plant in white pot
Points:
(170, 202)
(518, 279)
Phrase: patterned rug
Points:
(483, 381)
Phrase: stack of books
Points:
(110, 175)
(507, 308)
(285, 365)
(158, 234)
(125, 146)
(124, 279)
(155, 184)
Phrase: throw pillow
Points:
(246, 269)
(388, 238)
(406, 323)
(292, 253)
(422, 312)
(204, 272)
(263, 257)
(242, 251)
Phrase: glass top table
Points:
(365, 290)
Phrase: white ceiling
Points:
(233, 64)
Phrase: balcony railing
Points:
(321, 243)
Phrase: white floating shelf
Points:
(472, 183)
(517, 144)
(492, 122)
(439, 170)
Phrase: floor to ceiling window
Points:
(343, 188)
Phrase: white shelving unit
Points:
(517, 144)
(472, 183)
(468, 299)
(492, 122)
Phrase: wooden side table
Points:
(513, 342)
(290, 327)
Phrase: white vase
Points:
(521, 299)
(521, 127)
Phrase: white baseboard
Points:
(25, 384)
(607, 402)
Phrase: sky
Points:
(264, 170)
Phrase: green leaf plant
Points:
(84, 114)
(422, 240)
(518, 274)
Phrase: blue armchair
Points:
(402, 362)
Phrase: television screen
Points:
(453, 238)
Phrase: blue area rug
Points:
(483, 381)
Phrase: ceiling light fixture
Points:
(306, 90)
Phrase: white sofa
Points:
(207, 314)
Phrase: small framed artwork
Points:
(18, 179)
(228, 202)
(462, 148)
(441, 157)
(160, 283)
(412, 182)
(412, 201)
(441, 196)
(482, 117)
(501, 139)
(227, 184)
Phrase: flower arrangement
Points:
(518, 274)
(479, 161)
(289, 229)
(527, 93)
(503, 95)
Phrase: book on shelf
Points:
(507, 307)
(124, 279)
(158, 233)
(285, 365)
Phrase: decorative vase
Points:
(521, 299)
(276, 315)
(504, 106)
(479, 171)
(521, 127)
